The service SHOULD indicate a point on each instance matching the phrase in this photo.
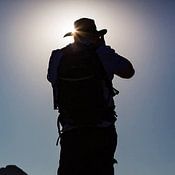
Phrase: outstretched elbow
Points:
(129, 73)
(126, 72)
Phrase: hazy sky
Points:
(141, 30)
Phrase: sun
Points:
(73, 30)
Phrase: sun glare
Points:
(66, 27)
(73, 31)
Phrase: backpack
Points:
(81, 83)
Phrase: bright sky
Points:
(141, 30)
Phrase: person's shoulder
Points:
(55, 54)
(56, 51)
(105, 49)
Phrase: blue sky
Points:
(142, 31)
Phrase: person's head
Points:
(85, 29)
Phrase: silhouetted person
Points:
(81, 76)
(12, 170)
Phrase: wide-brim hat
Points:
(86, 26)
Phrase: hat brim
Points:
(97, 33)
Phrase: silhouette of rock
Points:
(12, 170)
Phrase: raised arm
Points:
(124, 69)
(115, 63)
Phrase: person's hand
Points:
(98, 41)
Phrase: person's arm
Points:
(124, 68)
(115, 63)
(53, 65)
(52, 74)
